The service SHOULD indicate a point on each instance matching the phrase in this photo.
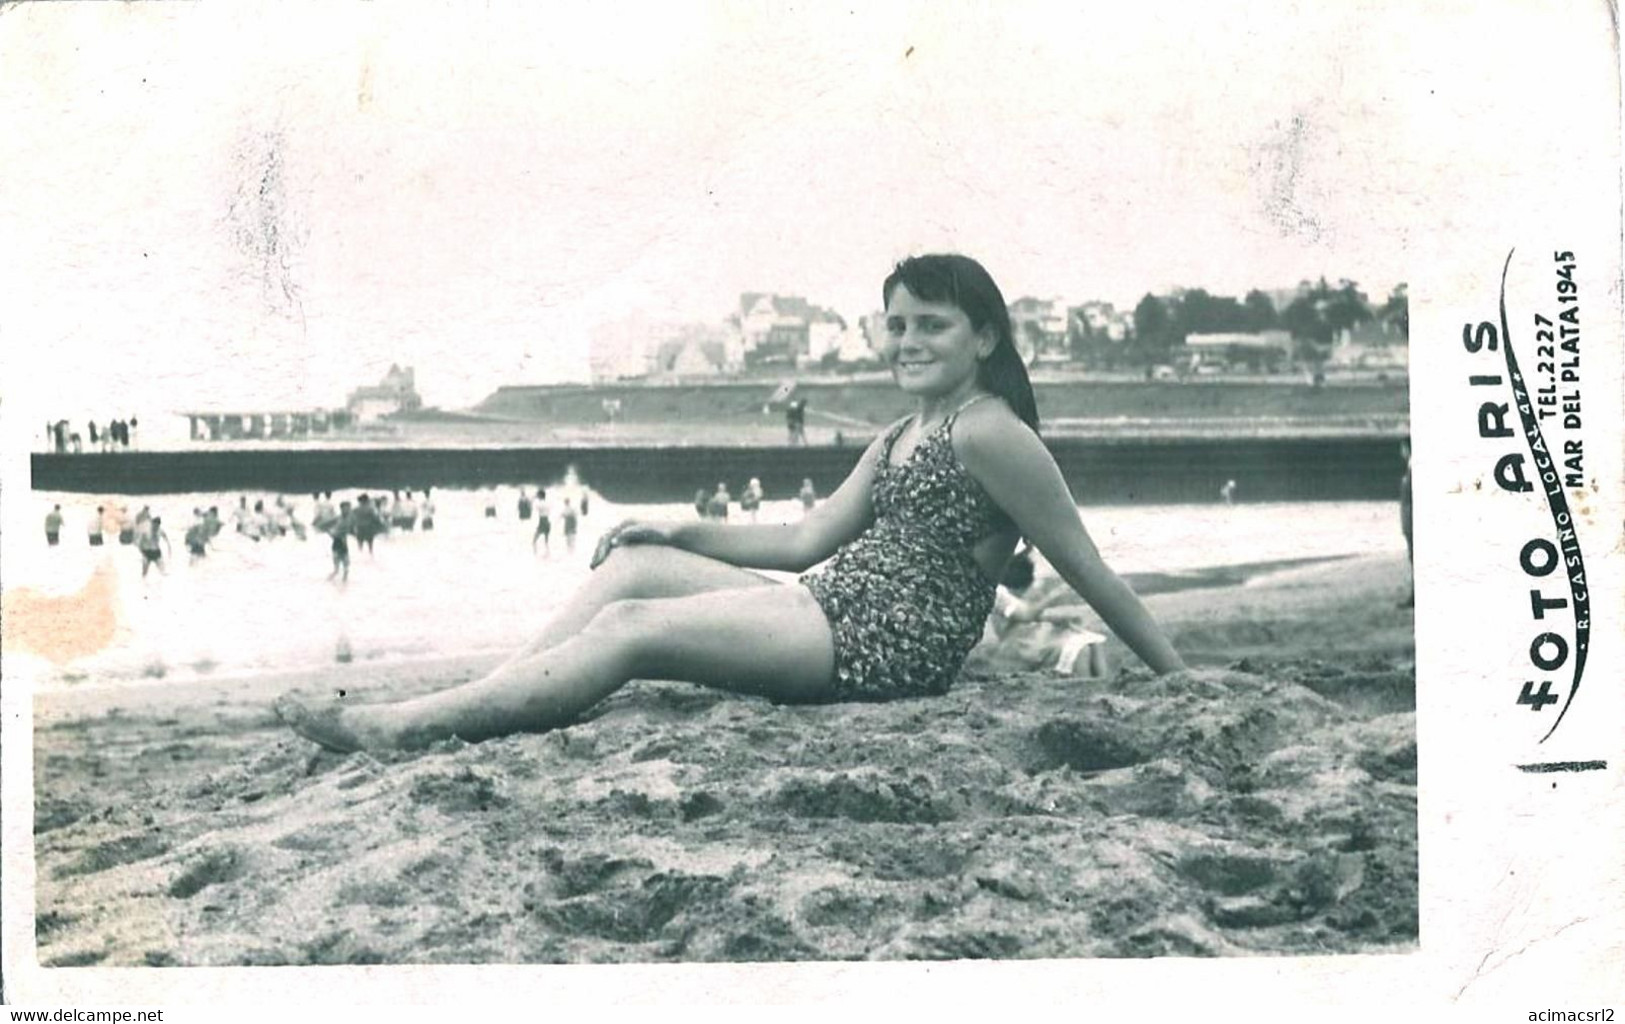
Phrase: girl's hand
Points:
(629, 532)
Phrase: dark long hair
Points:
(960, 280)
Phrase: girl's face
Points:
(930, 346)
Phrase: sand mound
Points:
(1212, 812)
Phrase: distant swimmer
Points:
(288, 518)
(152, 542)
(568, 517)
(577, 490)
(197, 537)
(366, 522)
(259, 524)
(212, 520)
(702, 502)
(339, 529)
(544, 523)
(126, 530)
(428, 511)
(96, 527)
(324, 517)
(241, 515)
(808, 495)
(524, 504)
(490, 503)
(53, 526)
(717, 506)
(795, 421)
(277, 518)
(405, 516)
(1227, 493)
(751, 499)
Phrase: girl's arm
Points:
(791, 547)
(1019, 474)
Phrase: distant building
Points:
(691, 360)
(855, 346)
(873, 329)
(1096, 315)
(1375, 345)
(786, 330)
(217, 425)
(694, 350)
(396, 393)
(1097, 332)
(637, 347)
(824, 335)
(1257, 350)
(1040, 324)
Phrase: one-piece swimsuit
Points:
(906, 600)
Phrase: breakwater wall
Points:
(1115, 471)
(878, 401)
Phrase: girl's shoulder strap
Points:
(967, 403)
(893, 432)
(953, 417)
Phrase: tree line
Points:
(1313, 319)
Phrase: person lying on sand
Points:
(915, 538)
(1042, 631)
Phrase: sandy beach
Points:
(1263, 803)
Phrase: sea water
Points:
(474, 584)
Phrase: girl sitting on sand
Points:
(915, 538)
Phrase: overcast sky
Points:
(210, 206)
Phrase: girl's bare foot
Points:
(335, 727)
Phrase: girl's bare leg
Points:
(638, 571)
(772, 641)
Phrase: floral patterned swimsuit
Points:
(906, 600)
